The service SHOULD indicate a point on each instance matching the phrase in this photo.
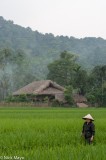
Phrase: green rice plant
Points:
(50, 133)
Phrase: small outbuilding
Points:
(80, 100)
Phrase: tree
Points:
(62, 70)
(5, 73)
(5, 57)
(80, 80)
(15, 71)
(96, 84)
(68, 93)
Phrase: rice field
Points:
(50, 134)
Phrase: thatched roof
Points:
(79, 98)
(41, 87)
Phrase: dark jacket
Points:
(88, 129)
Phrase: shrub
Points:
(68, 93)
(20, 98)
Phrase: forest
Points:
(26, 56)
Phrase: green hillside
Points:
(46, 48)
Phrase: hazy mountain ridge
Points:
(91, 51)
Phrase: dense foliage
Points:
(15, 71)
(46, 48)
(67, 72)
(62, 70)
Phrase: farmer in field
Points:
(88, 130)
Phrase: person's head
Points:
(88, 120)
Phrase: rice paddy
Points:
(50, 134)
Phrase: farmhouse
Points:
(42, 90)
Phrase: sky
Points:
(77, 18)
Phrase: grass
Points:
(50, 133)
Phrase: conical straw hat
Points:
(88, 116)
